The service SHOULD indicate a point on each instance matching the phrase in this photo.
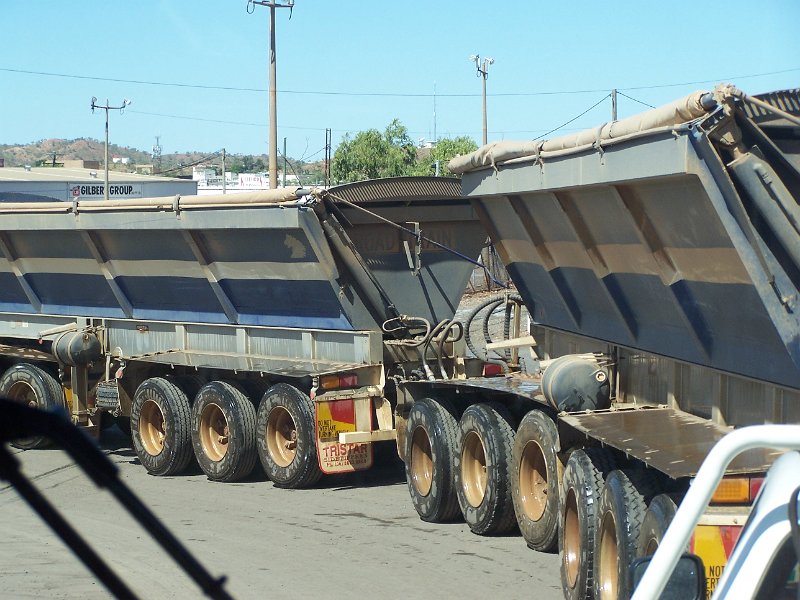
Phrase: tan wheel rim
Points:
(421, 462)
(214, 432)
(572, 539)
(473, 469)
(281, 436)
(151, 428)
(608, 558)
(652, 546)
(24, 394)
(533, 481)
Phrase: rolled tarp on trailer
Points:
(679, 111)
(263, 197)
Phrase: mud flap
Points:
(337, 416)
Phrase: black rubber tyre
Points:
(621, 510)
(431, 446)
(224, 432)
(286, 437)
(659, 515)
(160, 426)
(483, 469)
(28, 384)
(577, 535)
(534, 480)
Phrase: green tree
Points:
(444, 150)
(372, 154)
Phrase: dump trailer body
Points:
(252, 282)
(231, 261)
(654, 239)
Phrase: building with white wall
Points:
(21, 184)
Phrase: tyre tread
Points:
(493, 425)
(589, 467)
(178, 409)
(537, 426)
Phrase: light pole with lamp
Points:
(107, 108)
(483, 71)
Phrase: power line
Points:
(390, 94)
(635, 100)
(595, 105)
(192, 164)
(299, 128)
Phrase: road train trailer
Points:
(666, 247)
(656, 256)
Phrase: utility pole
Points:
(435, 138)
(273, 95)
(614, 104)
(284, 163)
(157, 155)
(328, 144)
(223, 172)
(483, 72)
(107, 108)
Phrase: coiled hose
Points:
(489, 305)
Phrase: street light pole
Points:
(106, 108)
(273, 95)
(483, 72)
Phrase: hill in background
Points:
(45, 152)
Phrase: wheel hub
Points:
(421, 462)
(572, 540)
(152, 428)
(608, 571)
(23, 393)
(214, 432)
(533, 481)
(281, 436)
(473, 469)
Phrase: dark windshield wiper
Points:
(21, 421)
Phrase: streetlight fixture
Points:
(483, 72)
(107, 108)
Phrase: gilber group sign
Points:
(96, 190)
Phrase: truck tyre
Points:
(28, 384)
(580, 493)
(621, 510)
(659, 515)
(224, 432)
(160, 426)
(534, 480)
(286, 437)
(483, 469)
(431, 445)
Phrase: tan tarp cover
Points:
(262, 197)
(680, 111)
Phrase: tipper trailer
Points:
(185, 314)
(657, 257)
(665, 248)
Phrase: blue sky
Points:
(350, 66)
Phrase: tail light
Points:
(737, 490)
(338, 381)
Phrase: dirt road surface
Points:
(351, 536)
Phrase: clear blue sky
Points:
(332, 55)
